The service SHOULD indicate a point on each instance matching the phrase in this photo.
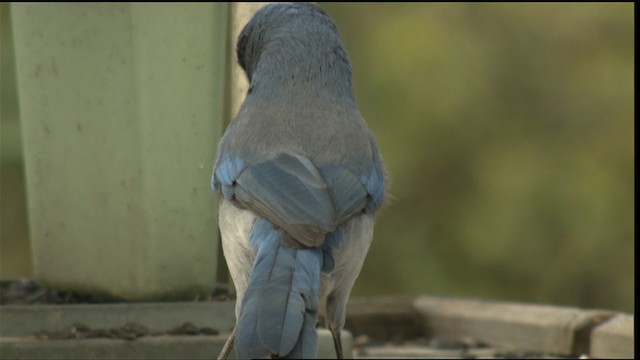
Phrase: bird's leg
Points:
(337, 342)
(228, 346)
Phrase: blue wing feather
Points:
(290, 191)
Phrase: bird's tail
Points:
(280, 307)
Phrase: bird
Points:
(300, 180)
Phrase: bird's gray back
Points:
(327, 135)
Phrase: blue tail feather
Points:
(280, 307)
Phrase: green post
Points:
(122, 108)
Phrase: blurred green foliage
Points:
(507, 131)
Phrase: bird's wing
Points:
(296, 196)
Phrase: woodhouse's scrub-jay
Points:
(301, 178)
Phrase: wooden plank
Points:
(390, 318)
(157, 347)
(538, 328)
(148, 347)
(614, 338)
(25, 320)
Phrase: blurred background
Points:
(508, 134)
